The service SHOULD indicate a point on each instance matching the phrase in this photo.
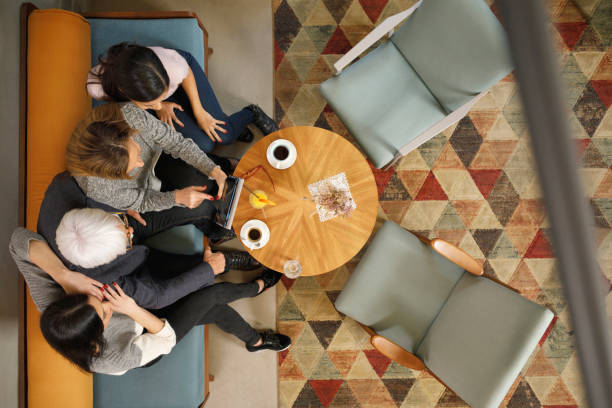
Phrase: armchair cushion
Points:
(176, 381)
(383, 102)
(399, 286)
(458, 48)
(482, 338)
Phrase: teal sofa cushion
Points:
(457, 47)
(399, 286)
(482, 338)
(181, 33)
(382, 102)
(184, 240)
(176, 381)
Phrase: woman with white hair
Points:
(91, 237)
(107, 334)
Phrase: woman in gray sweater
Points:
(113, 155)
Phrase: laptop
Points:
(227, 204)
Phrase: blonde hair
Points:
(90, 237)
(98, 146)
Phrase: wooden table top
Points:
(295, 229)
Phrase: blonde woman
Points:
(113, 155)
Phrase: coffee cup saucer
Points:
(263, 239)
(281, 164)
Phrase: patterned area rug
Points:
(473, 185)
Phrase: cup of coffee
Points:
(254, 234)
(281, 154)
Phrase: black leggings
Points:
(176, 174)
(209, 305)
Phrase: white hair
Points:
(90, 237)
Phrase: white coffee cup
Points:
(254, 234)
(281, 154)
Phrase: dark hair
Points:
(98, 146)
(132, 72)
(73, 328)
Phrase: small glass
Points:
(292, 268)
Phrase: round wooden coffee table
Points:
(295, 229)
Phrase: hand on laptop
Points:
(192, 196)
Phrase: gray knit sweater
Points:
(127, 346)
(141, 193)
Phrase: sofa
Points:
(58, 48)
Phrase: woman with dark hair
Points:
(107, 332)
(162, 80)
(74, 328)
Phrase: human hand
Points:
(209, 124)
(119, 301)
(136, 215)
(216, 260)
(191, 196)
(75, 282)
(166, 113)
(220, 178)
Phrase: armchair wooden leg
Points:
(391, 350)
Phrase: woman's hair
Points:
(132, 72)
(98, 146)
(73, 328)
(90, 237)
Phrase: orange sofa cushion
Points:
(59, 55)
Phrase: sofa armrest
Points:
(386, 27)
(456, 256)
(396, 353)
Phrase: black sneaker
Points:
(271, 341)
(240, 260)
(269, 278)
(246, 136)
(265, 123)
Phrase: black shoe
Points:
(271, 341)
(263, 121)
(240, 260)
(221, 235)
(246, 136)
(269, 278)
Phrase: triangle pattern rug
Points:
(474, 185)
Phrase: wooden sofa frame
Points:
(25, 11)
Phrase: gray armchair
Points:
(426, 305)
(430, 73)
